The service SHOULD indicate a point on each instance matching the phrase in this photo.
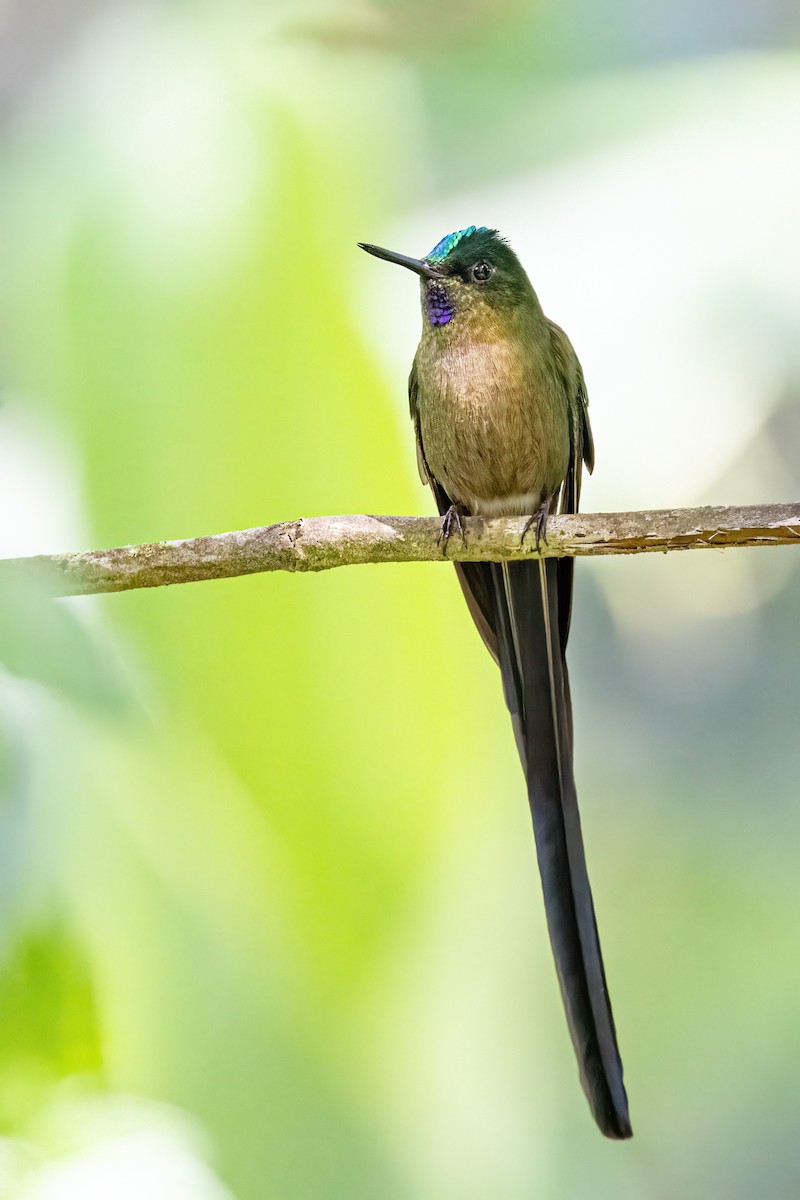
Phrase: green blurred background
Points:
(270, 923)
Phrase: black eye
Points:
(482, 271)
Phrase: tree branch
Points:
(318, 543)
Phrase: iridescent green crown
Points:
(441, 250)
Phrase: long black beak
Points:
(414, 264)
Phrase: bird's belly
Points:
(495, 432)
(513, 504)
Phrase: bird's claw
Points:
(450, 521)
(539, 522)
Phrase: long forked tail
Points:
(537, 694)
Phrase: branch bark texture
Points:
(319, 543)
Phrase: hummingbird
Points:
(499, 408)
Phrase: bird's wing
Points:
(413, 404)
(475, 578)
(581, 450)
(581, 443)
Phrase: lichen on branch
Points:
(319, 543)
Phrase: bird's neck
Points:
(485, 324)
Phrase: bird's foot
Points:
(452, 521)
(539, 522)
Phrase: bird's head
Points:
(468, 272)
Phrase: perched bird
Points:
(500, 414)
